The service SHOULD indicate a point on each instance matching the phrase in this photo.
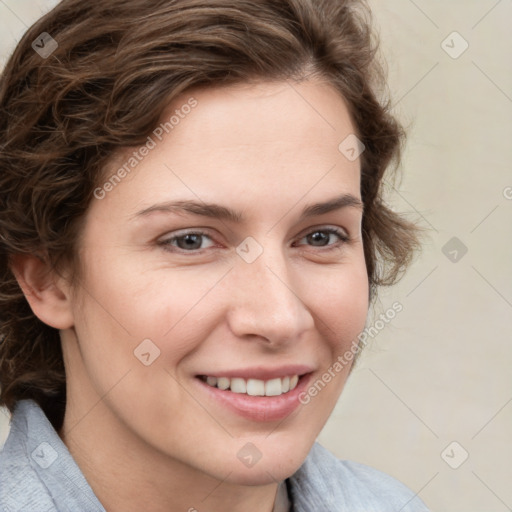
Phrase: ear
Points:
(47, 293)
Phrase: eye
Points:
(191, 241)
(326, 237)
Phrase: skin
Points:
(147, 437)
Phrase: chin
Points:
(266, 461)
(267, 473)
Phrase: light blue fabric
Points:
(38, 474)
(326, 484)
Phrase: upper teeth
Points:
(255, 387)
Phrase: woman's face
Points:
(221, 259)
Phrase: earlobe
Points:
(47, 294)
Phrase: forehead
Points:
(275, 141)
(263, 117)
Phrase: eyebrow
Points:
(217, 211)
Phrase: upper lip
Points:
(261, 373)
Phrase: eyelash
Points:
(168, 243)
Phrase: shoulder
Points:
(325, 483)
(37, 472)
(21, 488)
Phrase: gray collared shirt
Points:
(38, 474)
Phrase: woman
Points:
(192, 231)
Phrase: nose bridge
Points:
(266, 303)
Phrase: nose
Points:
(266, 302)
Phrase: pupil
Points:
(318, 236)
(190, 242)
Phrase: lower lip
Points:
(258, 408)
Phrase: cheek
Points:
(123, 306)
(341, 305)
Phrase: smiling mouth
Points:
(253, 387)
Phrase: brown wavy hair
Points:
(117, 66)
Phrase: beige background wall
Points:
(439, 373)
